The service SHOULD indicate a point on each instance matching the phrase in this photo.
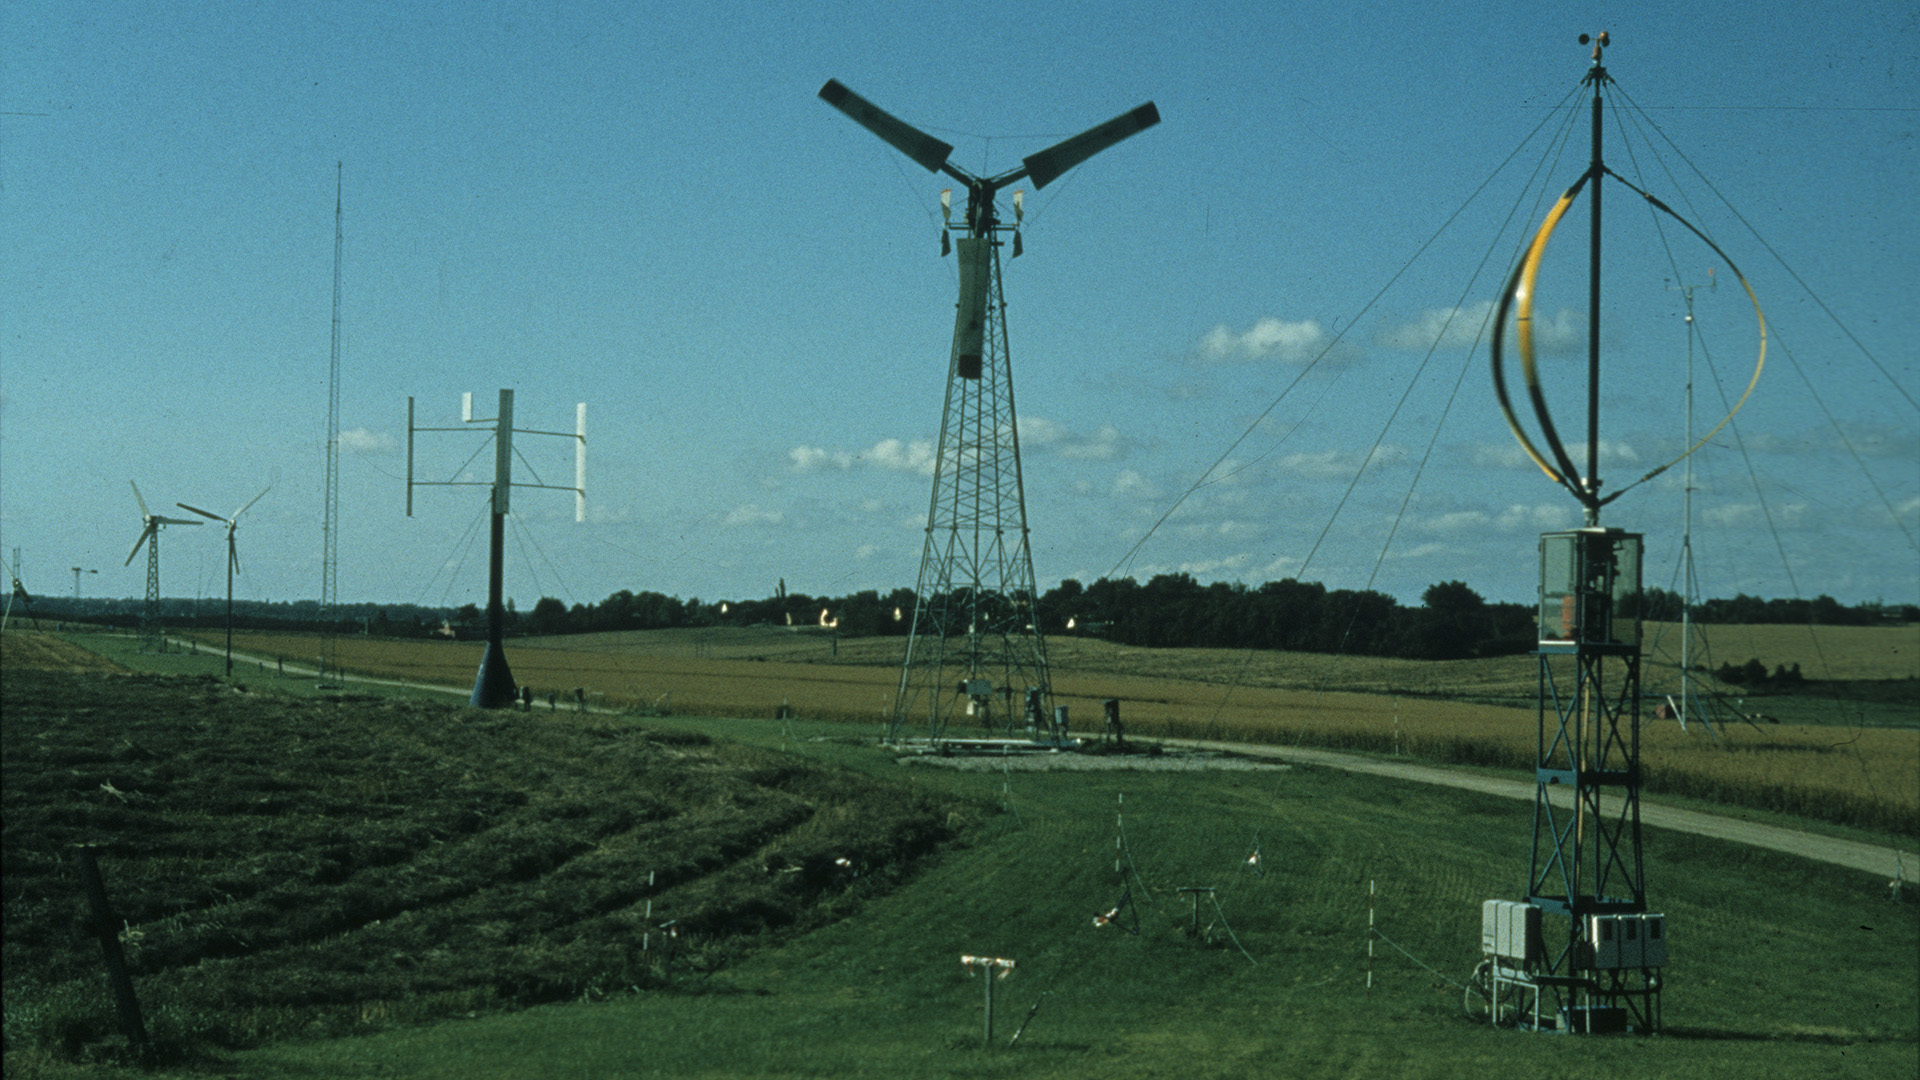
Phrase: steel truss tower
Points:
(975, 647)
(1587, 877)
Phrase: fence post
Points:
(102, 924)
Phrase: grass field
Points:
(286, 866)
(1855, 762)
(353, 887)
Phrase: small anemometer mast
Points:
(976, 582)
(233, 560)
(494, 687)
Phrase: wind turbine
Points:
(976, 585)
(151, 524)
(233, 560)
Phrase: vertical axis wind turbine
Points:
(493, 686)
(1587, 886)
(151, 639)
(974, 614)
(233, 560)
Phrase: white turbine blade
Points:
(144, 533)
(233, 554)
(138, 499)
(1046, 166)
(202, 513)
(250, 502)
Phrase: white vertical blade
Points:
(138, 499)
(466, 407)
(580, 463)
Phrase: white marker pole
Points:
(1369, 939)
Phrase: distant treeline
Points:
(1170, 610)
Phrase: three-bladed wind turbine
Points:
(233, 560)
(150, 526)
(976, 590)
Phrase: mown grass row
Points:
(286, 866)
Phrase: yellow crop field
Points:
(32, 650)
(1863, 775)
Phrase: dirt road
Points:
(1875, 859)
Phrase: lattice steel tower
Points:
(975, 647)
(330, 526)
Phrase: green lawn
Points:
(884, 994)
(1780, 967)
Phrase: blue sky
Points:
(646, 208)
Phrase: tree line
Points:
(1452, 620)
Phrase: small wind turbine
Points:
(151, 525)
(233, 561)
(976, 585)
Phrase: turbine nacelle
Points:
(151, 524)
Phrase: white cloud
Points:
(1445, 328)
(891, 454)
(1509, 455)
(1132, 485)
(1329, 464)
(1266, 339)
(813, 458)
(1538, 517)
(1105, 444)
(367, 441)
(913, 457)
(1560, 334)
(751, 515)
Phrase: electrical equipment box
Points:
(1628, 941)
(1510, 930)
(1590, 587)
(1596, 1019)
(978, 688)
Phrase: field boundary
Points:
(1895, 863)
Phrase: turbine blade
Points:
(199, 511)
(178, 521)
(144, 533)
(1046, 166)
(233, 555)
(926, 151)
(250, 502)
(138, 499)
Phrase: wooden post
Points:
(102, 924)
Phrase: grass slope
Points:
(1780, 968)
(288, 866)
